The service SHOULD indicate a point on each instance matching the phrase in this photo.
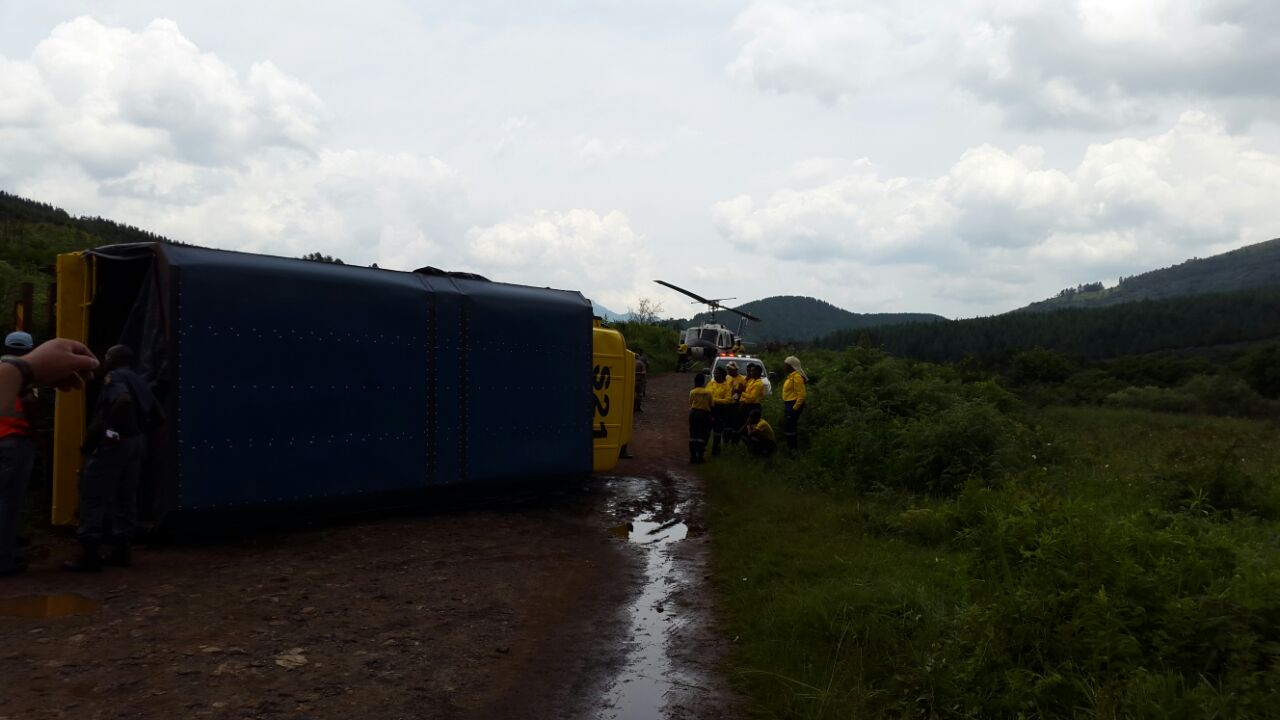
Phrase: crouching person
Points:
(758, 436)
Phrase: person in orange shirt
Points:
(17, 454)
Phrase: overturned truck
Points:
(299, 383)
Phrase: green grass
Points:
(1126, 565)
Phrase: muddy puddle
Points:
(47, 606)
(642, 688)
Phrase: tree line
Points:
(1115, 331)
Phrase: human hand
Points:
(63, 363)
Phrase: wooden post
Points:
(51, 312)
(22, 307)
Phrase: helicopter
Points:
(710, 339)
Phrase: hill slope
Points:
(1252, 266)
(790, 317)
(32, 234)
(1129, 329)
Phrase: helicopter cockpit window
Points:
(710, 335)
(691, 336)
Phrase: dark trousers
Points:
(790, 425)
(733, 422)
(16, 456)
(699, 433)
(721, 425)
(759, 446)
(109, 491)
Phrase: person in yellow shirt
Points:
(682, 358)
(758, 435)
(793, 400)
(700, 403)
(736, 417)
(721, 409)
(738, 347)
(753, 390)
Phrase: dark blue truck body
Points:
(294, 381)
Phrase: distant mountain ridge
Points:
(793, 317)
(608, 315)
(1252, 266)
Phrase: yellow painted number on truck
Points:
(602, 379)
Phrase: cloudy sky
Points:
(962, 157)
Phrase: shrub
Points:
(926, 525)
(878, 422)
(1205, 476)
(1039, 366)
(1260, 367)
(657, 342)
(1210, 394)
(1073, 611)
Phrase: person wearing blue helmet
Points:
(17, 454)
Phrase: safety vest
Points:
(721, 392)
(793, 390)
(700, 399)
(764, 430)
(737, 382)
(13, 421)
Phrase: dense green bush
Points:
(1074, 609)
(940, 549)
(887, 423)
(1209, 394)
(657, 342)
(1205, 475)
(1039, 366)
(1260, 367)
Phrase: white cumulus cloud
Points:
(1085, 63)
(1130, 204)
(601, 255)
(146, 128)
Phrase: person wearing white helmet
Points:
(17, 455)
(794, 396)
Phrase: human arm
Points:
(60, 362)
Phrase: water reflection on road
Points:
(641, 689)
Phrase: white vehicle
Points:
(743, 361)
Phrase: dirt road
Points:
(585, 602)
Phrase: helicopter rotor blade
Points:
(713, 305)
(679, 289)
(746, 315)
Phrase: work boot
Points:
(121, 555)
(90, 560)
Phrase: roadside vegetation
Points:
(1037, 539)
(657, 342)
